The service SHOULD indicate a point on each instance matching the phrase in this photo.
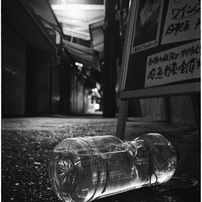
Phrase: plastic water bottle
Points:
(87, 168)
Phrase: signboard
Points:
(162, 48)
(162, 52)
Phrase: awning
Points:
(82, 24)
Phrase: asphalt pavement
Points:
(28, 142)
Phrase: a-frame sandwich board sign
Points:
(161, 54)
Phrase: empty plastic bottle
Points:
(84, 169)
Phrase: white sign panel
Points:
(182, 21)
(177, 64)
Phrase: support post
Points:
(109, 69)
(122, 116)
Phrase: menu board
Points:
(162, 49)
